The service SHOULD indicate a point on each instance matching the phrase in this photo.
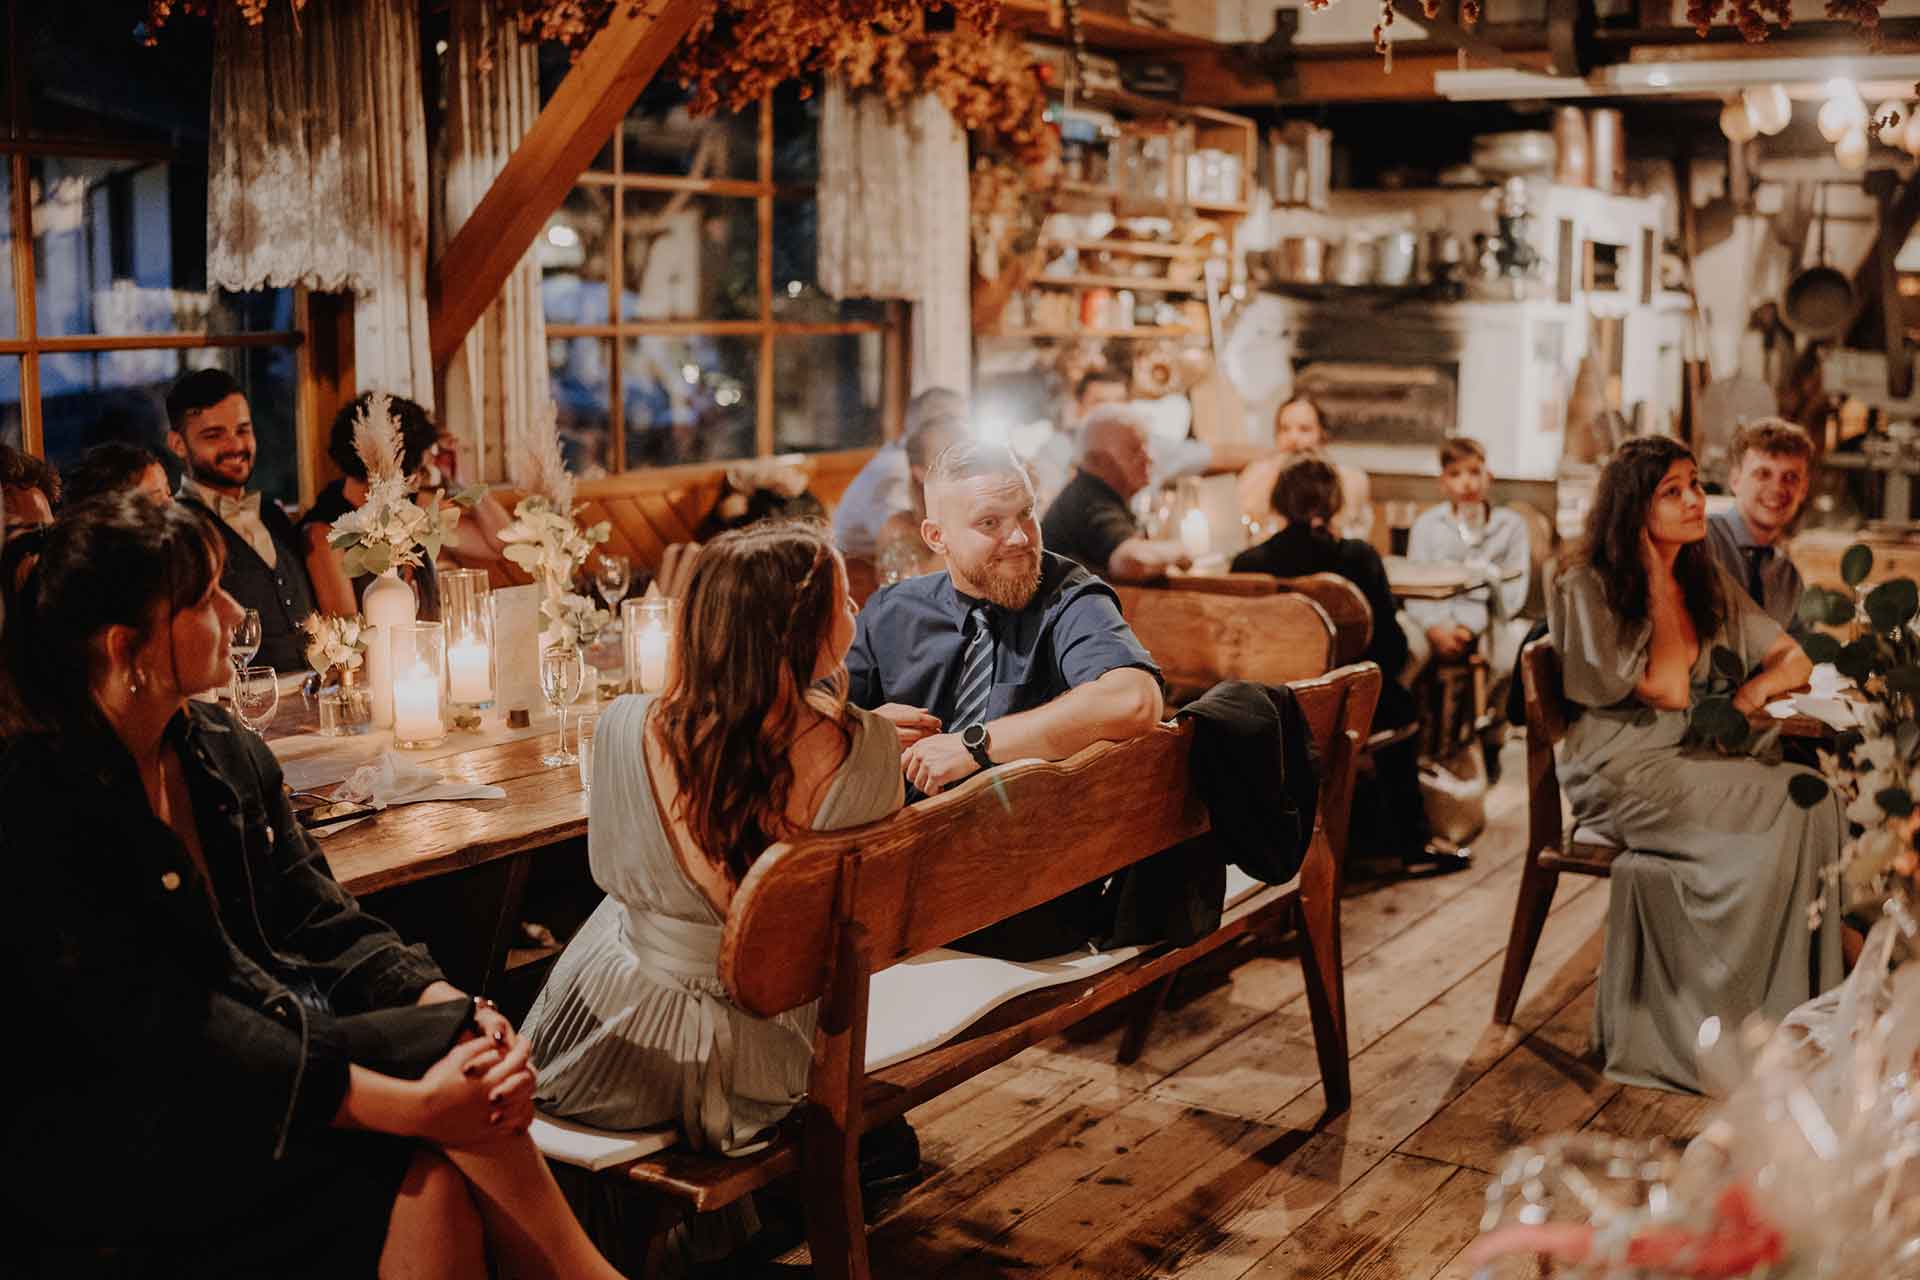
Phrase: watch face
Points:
(973, 737)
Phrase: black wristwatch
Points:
(974, 739)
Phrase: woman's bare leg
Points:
(530, 1226)
(435, 1231)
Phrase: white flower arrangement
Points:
(574, 619)
(389, 529)
(334, 644)
(545, 539)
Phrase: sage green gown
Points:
(1708, 909)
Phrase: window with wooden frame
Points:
(103, 282)
(684, 321)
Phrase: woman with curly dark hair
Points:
(1719, 869)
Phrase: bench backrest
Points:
(996, 845)
(1200, 638)
(1345, 604)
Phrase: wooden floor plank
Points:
(1652, 1113)
(1438, 1233)
(1405, 1078)
(1352, 1233)
(1263, 1067)
(1123, 1186)
(1548, 1084)
(1019, 1180)
(1230, 1212)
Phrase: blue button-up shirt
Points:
(1780, 586)
(911, 635)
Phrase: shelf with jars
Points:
(1140, 226)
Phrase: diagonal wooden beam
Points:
(571, 129)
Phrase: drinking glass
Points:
(562, 671)
(256, 696)
(584, 738)
(615, 575)
(246, 639)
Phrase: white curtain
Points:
(893, 220)
(318, 171)
(497, 381)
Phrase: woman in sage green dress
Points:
(1709, 906)
(752, 742)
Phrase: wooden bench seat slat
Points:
(1200, 638)
(1581, 859)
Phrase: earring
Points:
(136, 682)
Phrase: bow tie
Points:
(229, 508)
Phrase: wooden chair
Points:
(818, 916)
(676, 568)
(1200, 638)
(1548, 853)
(1346, 605)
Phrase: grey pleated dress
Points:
(1707, 915)
(633, 1029)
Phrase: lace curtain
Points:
(318, 171)
(893, 220)
(497, 381)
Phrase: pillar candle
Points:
(470, 670)
(416, 705)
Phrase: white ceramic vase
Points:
(388, 603)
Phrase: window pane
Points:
(797, 297)
(688, 399)
(573, 258)
(826, 392)
(9, 324)
(796, 137)
(93, 396)
(669, 141)
(580, 371)
(89, 76)
(10, 400)
(120, 247)
(688, 257)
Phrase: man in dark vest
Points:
(210, 428)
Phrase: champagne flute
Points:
(615, 576)
(245, 641)
(562, 671)
(256, 696)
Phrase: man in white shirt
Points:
(891, 482)
(1468, 530)
(210, 429)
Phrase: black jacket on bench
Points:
(1255, 764)
(181, 1047)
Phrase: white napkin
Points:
(392, 780)
(1835, 713)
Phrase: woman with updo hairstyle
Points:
(1299, 427)
(1719, 869)
(752, 742)
(236, 1071)
(1390, 818)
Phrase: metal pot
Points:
(1354, 262)
(1818, 302)
(1397, 254)
(1300, 260)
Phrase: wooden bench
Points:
(1549, 855)
(1200, 638)
(818, 916)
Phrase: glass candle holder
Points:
(466, 610)
(345, 711)
(419, 685)
(648, 625)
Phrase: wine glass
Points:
(562, 671)
(615, 575)
(246, 639)
(256, 696)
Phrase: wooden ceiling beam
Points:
(1219, 80)
(598, 90)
